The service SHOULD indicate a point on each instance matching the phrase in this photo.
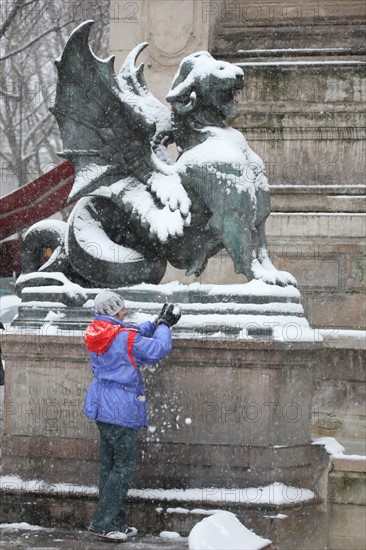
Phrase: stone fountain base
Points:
(226, 414)
(254, 310)
(223, 413)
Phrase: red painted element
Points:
(36, 200)
(30, 203)
(10, 257)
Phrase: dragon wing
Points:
(106, 122)
(132, 79)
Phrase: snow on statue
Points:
(137, 207)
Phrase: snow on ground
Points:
(23, 526)
(286, 328)
(224, 531)
(25, 537)
(335, 449)
(169, 535)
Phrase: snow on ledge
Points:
(335, 449)
(253, 288)
(344, 338)
(16, 483)
(286, 63)
(274, 494)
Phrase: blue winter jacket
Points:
(116, 393)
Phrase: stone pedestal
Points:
(231, 414)
(223, 414)
(254, 310)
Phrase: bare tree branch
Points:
(35, 35)
(9, 94)
(28, 137)
(18, 4)
(26, 46)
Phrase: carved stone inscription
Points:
(48, 403)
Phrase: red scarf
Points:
(100, 334)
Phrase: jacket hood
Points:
(100, 334)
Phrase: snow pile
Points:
(92, 239)
(335, 449)
(57, 227)
(224, 531)
(167, 187)
(8, 307)
(177, 510)
(173, 535)
(54, 316)
(225, 148)
(162, 206)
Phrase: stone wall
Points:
(268, 25)
(339, 393)
(347, 501)
(243, 407)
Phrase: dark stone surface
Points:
(75, 539)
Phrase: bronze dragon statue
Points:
(138, 208)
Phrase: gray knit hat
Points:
(108, 303)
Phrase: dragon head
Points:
(203, 83)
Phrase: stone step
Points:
(318, 199)
(284, 525)
(195, 293)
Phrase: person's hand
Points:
(163, 310)
(170, 316)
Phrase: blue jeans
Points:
(117, 470)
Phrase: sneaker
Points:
(114, 536)
(131, 531)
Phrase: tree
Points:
(33, 34)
